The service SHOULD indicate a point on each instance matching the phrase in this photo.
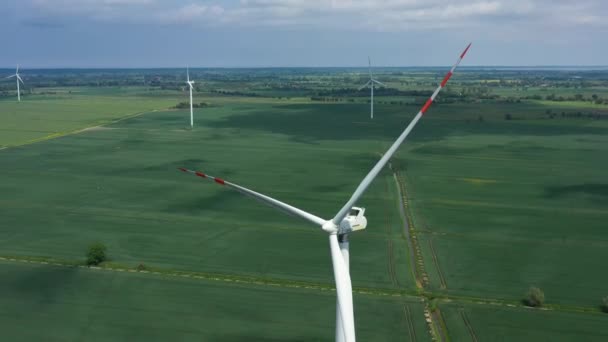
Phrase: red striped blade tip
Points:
(446, 79)
(426, 105)
(465, 50)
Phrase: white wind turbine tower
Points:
(371, 84)
(18, 79)
(190, 84)
(348, 220)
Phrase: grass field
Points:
(497, 205)
(518, 324)
(125, 190)
(522, 204)
(119, 184)
(46, 116)
(60, 303)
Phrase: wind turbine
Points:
(371, 84)
(190, 84)
(18, 79)
(348, 219)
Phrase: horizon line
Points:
(21, 67)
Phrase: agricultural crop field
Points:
(499, 188)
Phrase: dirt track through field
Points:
(440, 325)
(435, 322)
(389, 240)
(467, 323)
(99, 125)
(273, 282)
(227, 278)
(410, 325)
(444, 285)
(414, 269)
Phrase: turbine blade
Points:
(19, 78)
(17, 72)
(343, 289)
(365, 85)
(262, 198)
(188, 74)
(389, 153)
(369, 63)
(380, 83)
(11, 76)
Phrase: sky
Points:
(308, 33)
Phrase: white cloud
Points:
(88, 9)
(190, 13)
(364, 15)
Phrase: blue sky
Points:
(240, 33)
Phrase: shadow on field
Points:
(304, 140)
(240, 338)
(598, 191)
(218, 201)
(312, 122)
(446, 150)
(514, 148)
(43, 285)
(174, 165)
(309, 123)
(330, 188)
(364, 161)
(399, 164)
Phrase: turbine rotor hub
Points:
(329, 227)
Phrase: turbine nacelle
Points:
(355, 220)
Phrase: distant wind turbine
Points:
(347, 220)
(370, 83)
(190, 84)
(18, 79)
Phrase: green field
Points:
(64, 303)
(517, 324)
(511, 205)
(125, 190)
(47, 116)
(497, 206)
(119, 184)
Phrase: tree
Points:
(535, 297)
(605, 304)
(508, 116)
(96, 254)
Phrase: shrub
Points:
(605, 304)
(96, 254)
(535, 297)
(433, 304)
(141, 267)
